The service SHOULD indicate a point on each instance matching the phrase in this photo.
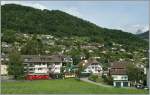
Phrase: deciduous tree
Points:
(15, 65)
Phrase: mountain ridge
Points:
(30, 20)
(144, 35)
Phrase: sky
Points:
(129, 16)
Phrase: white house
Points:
(120, 80)
(4, 66)
(119, 75)
(42, 64)
(91, 66)
(4, 69)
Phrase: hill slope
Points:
(29, 20)
(144, 35)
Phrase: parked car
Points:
(140, 86)
(146, 88)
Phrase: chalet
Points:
(67, 59)
(41, 66)
(4, 69)
(4, 66)
(4, 58)
(88, 47)
(47, 36)
(123, 50)
(6, 45)
(119, 75)
(91, 66)
(92, 46)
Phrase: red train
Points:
(37, 77)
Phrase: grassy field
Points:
(61, 86)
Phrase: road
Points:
(100, 84)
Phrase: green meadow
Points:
(66, 86)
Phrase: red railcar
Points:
(37, 77)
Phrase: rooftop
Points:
(88, 62)
(42, 58)
(118, 68)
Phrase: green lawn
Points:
(60, 86)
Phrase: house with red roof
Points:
(119, 74)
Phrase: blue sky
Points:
(129, 16)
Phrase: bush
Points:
(99, 79)
(18, 77)
(57, 76)
(108, 79)
(78, 79)
(93, 77)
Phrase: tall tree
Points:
(9, 36)
(135, 74)
(15, 66)
(87, 54)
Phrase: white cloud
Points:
(35, 5)
(73, 11)
(38, 6)
(146, 28)
(135, 29)
(8, 2)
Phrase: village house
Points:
(91, 66)
(88, 47)
(4, 70)
(47, 36)
(67, 59)
(4, 66)
(5, 45)
(118, 72)
(4, 58)
(42, 66)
